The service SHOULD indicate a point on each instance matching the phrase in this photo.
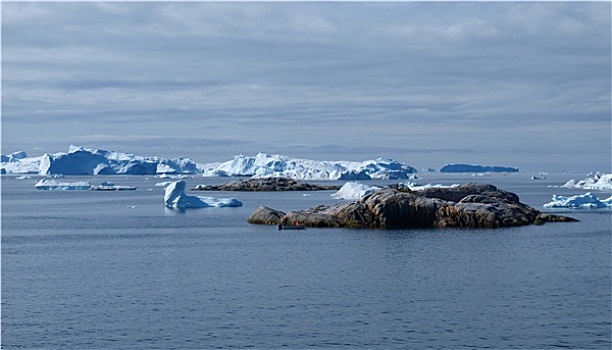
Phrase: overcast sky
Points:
(427, 83)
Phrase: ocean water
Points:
(116, 270)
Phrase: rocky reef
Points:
(266, 184)
(466, 206)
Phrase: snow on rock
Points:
(82, 161)
(354, 190)
(176, 198)
(473, 168)
(584, 201)
(266, 165)
(595, 181)
(53, 185)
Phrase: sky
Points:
(524, 84)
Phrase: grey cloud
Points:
(241, 68)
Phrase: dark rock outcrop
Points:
(467, 206)
(474, 168)
(266, 184)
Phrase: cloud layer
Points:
(486, 78)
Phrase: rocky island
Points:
(466, 206)
(266, 184)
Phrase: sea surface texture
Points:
(118, 270)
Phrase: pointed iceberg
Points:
(176, 198)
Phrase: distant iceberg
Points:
(53, 185)
(19, 163)
(354, 190)
(82, 161)
(109, 186)
(595, 181)
(474, 168)
(266, 165)
(584, 201)
(176, 198)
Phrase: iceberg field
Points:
(584, 201)
(176, 198)
(266, 165)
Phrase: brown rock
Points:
(468, 206)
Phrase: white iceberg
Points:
(53, 185)
(584, 201)
(176, 198)
(354, 190)
(266, 165)
(109, 186)
(19, 163)
(82, 161)
(595, 181)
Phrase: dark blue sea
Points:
(116, 270)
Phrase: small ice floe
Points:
(176, 198)
(354, 190)
(109, 186)
(163, 184)
(540, 176)
(584, 201)
(52, 185)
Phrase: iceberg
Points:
(176, 198)
(53, 185)
(266, 165)
(595, 181)
(354, 190)
(474, 168)
(109, 186)
(19, 163)
(584, 201)
(82, 161)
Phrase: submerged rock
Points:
(467, 206)
(266, 184)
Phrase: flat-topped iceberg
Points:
(176, 198)
(474, 168)
(109, 186)
(595, 181)
(82, 161)
(584, 201)
(266, 165)
(354, 190)
(53, 185)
